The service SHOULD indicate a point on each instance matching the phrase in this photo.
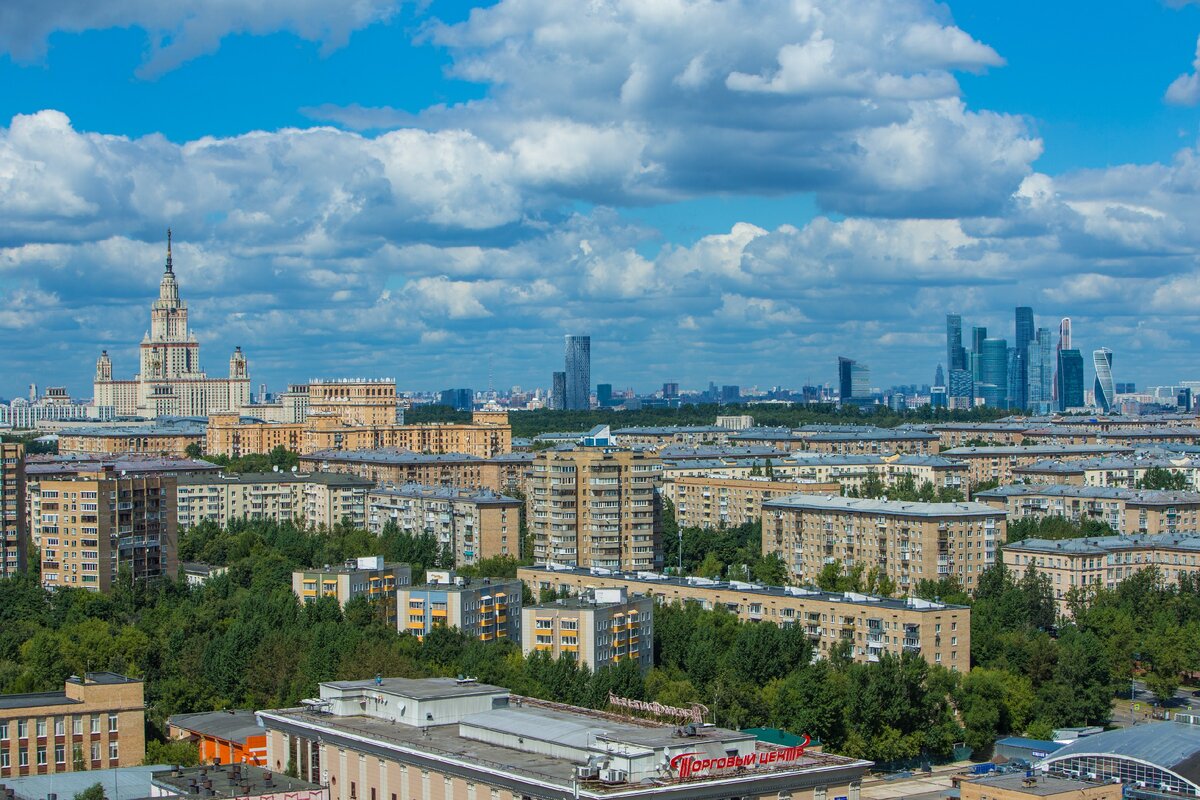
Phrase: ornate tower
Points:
(103, 367)
(237, 365)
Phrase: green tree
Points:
(179, 752)
(93, 792)
(1162, 478)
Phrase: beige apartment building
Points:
(1102, 561)
(167, 437)
(652, 436)
(596, 507)
(14, 533)
(875, 440)
(501, 474)
(354, 401)
(997, 463)
(717, 501)
(958, 434)
(483, 608)
(906, 541)
(365, 577)
(231, 434)
(1127, 511)
(1114, 472)
(599, 628)
(458, 739)
(96, 722)
(473, 523)
(316, 499)
(94, 525)
(938, 632)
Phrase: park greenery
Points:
(1162, 478)
(279, 459)
(531, 423)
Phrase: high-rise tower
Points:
(1024, 335)
(1105, 393)
(579, 373)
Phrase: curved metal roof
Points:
(1170, 746)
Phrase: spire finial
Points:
(169, 269)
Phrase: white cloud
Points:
(1185, 90)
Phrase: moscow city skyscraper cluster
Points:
(1036, 373)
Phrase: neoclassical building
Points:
(171, 382)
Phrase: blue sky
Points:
(736, 192)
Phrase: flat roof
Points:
(283, 476)
(871, 435)
(1146, 496)
(121, 782)
(1037, 785)
(1099, 545)
(35, 699)
(420, 688)
(1036, 449)
(880, 459)
(389, 455)
(132, 463)
(653, 579)
(423, 491)
(231, 781)
(865, 505)
(233, 726)
(575, 603)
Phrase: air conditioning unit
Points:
(614, 775)
(586, 772)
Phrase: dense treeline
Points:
(279, 459)
(1055, 527)
(32, 446)
(531, 423)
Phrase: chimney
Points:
(268, 779)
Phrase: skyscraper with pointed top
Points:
(171, 381)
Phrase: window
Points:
(4, 762)
(60, 754)
(3, 730)
(95, 724)
(112, 751)
(41, 728)
(95, 751)
(60, 727)
(41, 756)
(112, 723)
(23, 758)
(77, 726)
(23, 729)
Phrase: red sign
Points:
(690, 765)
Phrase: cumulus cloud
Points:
(183, 29)
(1185, 90)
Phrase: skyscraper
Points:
(993, 373)
(854, 381)
(558, 391)
(978, 334)
(1064, 343)
(1041, 368)
(1024, 335)
(1070, 379)
(577, 396)
(604, 395)
(956, 356)
(939, 377)
(1104, 390)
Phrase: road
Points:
(1123, 716)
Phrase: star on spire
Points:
(169, 269)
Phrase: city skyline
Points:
(467, 205)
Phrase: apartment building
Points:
(14, 532)
(366, 576)
(938, 632)
(596, 507)
(317, 499)
(390, 466)
(718, 501)
(599, 628)
(165, 436)
(877, 440)
(483, 608)
(958, 434)
(354, 401)
(1127, 511)
(473, 523)
(1131, 436)
(997, 463)
(95, 525)
(1102, 561)
(458, 739)
(650, 436)
(1115, 472)
(906, 541)
(96, 722)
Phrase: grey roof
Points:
(421, 688)
(233, 726)
(651, 580)
(1036, 449)
(35, 699)
(882, 434)
(668, 430)
(251, 781)
(419, 490)
(1171, 746)
(118, 783)
(680, 452)
(1100, 545)
(135, 464)
(164, 426)
(324, 478)
(1139, 496)
(1042, 786)
(389, 455)
(867, 459)
(898, 508)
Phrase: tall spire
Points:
(169, 270)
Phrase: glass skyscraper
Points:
(1070, 379)
(993, 373)
(1105, 393)
(1041, 368)
(956, 356)
(558, 391)
(577, 395)
(1024, 335)
(854, 381)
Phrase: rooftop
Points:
(1036, 449)
(1100, 545)
(421, 688)
(229, 781)
(1037, 785)
(1172, 746)
(650, 580)
(132, 463)
(390, 455)
(233, 726)
(36, 699)
(1141, 496)
(899, 508)
(881, 434)
(323, 478)
(118, 783)
(163, 426)
(418, 490)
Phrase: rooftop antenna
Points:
(169, 266)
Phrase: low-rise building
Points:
(1037, 786)
(317, 499)
(472, 523)
(462, 740)
(236, 781)
(398, 467)
(168, 436)
(876, 440)
(483, 608)
(1102, 561)
(95, 525)
(1150, 760)
(650, 436)
(598, 628)
(366, 576)
(198, 574)
(997, 463)
(905, 541)
(1119, 472)
(719, 501)
(96, 722)
(1152, 511)
(14, 533)
(222, 737)
(960, 434)
(938, 632)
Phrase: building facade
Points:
(597, 629)
(97, 527)
(719, 501)
(472, 523)
(578, 373)
(904, 541)
(316, 499)
(1128, 511)
(222, 737)
(507, 473)
(163, 437)
(14, 532)
(938, 632)
(596, 507)
(170, 381)
(986, 464)
(1104, 391)
(483, 608)
(96, 722)
(365, 577)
